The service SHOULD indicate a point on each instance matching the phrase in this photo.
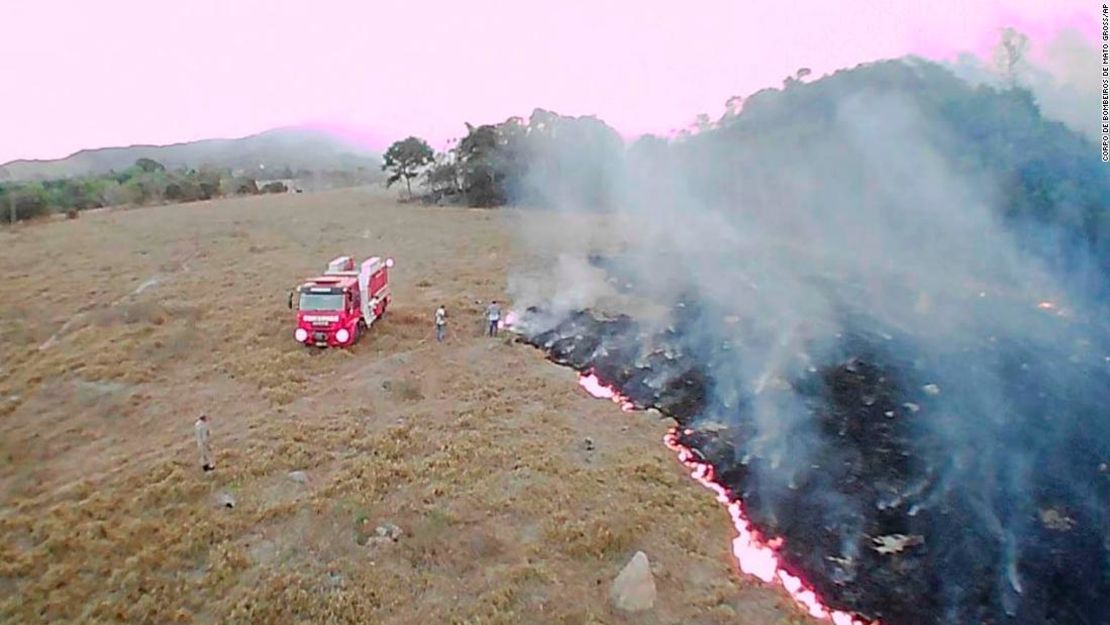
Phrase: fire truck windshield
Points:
(321, 301)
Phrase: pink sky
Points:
(84, 73)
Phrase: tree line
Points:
(1051, 187)
(513, 161)
(145, 182)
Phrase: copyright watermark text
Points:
(1104, 128)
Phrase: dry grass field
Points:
(119, 328)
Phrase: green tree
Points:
(481, 166)
(27, 200)
(404, 160)
(174, 192)
(136, 191)
(245, 186)
(442, 178)
(208, 183)
(8, 202)
(149, 165)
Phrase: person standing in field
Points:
(204, 443)
(441, 324)
(493, 314)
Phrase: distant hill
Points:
(273, 150)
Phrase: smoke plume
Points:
(1062, 78)
(842, 228)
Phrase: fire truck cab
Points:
(333, 310)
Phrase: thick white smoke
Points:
(1062, 74)
(794, 239)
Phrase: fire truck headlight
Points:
(301, 335)
(342, 335)
(389, 262)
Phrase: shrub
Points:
(30, 201)
(245, 186)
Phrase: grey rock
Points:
(389, 531)
(225, 499)
(299, 477)
(634, 588)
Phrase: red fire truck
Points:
(333, 310)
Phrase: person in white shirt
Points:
(441, 324)
(493, 314)
(204, 443)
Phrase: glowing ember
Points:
(600, 390)
(1052, 307)
(754, 554)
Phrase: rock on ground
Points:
(634, 588)
(225, 500)
(389, 531)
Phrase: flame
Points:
(1046, 305)
(600, 390)
(509, 321)
(755, 555)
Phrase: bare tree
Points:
(1009, 54)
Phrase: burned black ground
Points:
(880, 522)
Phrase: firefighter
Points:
(441, 323)
(204, 443)
(493, 314)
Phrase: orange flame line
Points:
(754, 555)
